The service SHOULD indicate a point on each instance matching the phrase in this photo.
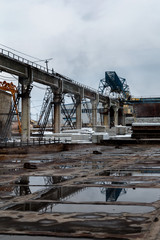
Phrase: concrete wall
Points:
(5, 104)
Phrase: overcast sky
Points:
(85, 38)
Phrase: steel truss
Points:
(45, 110)
(69, 113)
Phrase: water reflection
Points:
(31, 184)
(83, 208)
(112, 194)
(23, 188)
(131, 172)
(55, 198)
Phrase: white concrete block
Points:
(85, 137)
(97, 137)
(99, 128)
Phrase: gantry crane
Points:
(112, 83)
(10, 87)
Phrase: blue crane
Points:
(114, 84)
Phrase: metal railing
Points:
(21, 59)
(44, 69)
(32, 142)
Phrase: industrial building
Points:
(73, 183)
(5, 103)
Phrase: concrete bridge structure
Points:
(29, 72)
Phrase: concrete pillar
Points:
(106, 116)
(78, 112)
(121, 117)
(116, 116)
(57, 112)
(25, 120)
(94, 113)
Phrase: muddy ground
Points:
(81, 191)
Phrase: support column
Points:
(57, 112)
(78, 112)
(25, 120)
(94, 113)
(116, 116)
(121, 116)
(106, 116)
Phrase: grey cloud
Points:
(87, 37)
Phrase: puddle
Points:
(59, 193)
(92, 164)
(9, 171)
(102, 194)
(72, 208)
(31, 184)
(130, 172)
(21, 237)
(118, 183)
(40, 161)
(46, 207)
(66, 166)
(83, 198)
(38, 183)
(154, 172)
(83, 165)
(42, 180)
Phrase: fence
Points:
(32, 142)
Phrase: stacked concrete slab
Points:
(145, 130)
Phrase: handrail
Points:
(21, 59)
(40, 67)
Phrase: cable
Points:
(37, 100)
(35, 106)
(14, 77)
(5, 78)
(20, 52)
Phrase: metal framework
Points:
(112, 84)
(69, 113)
(45, 110)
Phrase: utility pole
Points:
(46, 62)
